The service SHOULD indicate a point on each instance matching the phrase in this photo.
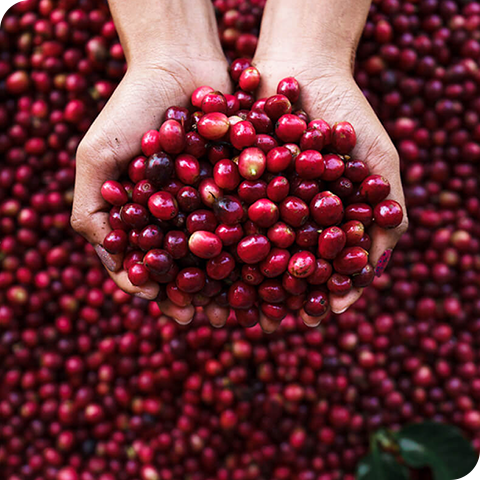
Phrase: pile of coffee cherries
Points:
(248, 203)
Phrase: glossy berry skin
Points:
(374, 189)
(316, 303)
(361, 212)
(321, 274)
(307, 235)
(324, 128)
(275, 312)
(305, 189)
(339, 284)
(294, 285)
(290, 128)
(350, 260)
(388, 214)
(251, 163)
(278, 189)
(290, 88)
(187, 169)
(242, 135)
(237, 67)
(221, 266)
(213, 126)
(264, 213)
(229, 234)
(281, 235)
(276, 106)
(190, 280)
(199, 94)
(159, 169)
(252, 275)
(331, 242)
(225, 174)
(151, 142)
(114, 193)
(365, 277)
(301, 264)
(115, 242)
(251, 191)
(163, 206)
(179, 298)
(172, 137)
(158, 261)
(344, 138)
(150, 237)
(138, 274)
(334, 167)
(253, 248)
(188, 199)
(209, 192)
(204, 244)
(354, 231)
(260, 121)
(134, 215)
(214, 102)
(275, 263)
(201, 220)
(241, 295)
(228, 210)
(312, 139)
(294, 211)
(309, 165)
(142, 191)
(279, 159)
(356, 171)
(247, 318)
(326, 209)
(271, 291)
(176, 244)
(249, 79)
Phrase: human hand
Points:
(137, 105)
(329, 91)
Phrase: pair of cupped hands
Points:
(150, 86)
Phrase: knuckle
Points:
(403, 227)
(78, 223)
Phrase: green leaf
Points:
(440, 447)
(381, 466)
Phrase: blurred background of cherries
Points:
(94, 386)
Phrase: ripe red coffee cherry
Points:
(163, 206)
(271, 291)
(214, 102)
(350, 260)
(249, 79)
(321, 274)
(220, 267)
(326, 209)
(309, 165)
(264, 213)
(142, 191)
(150, 237)
(260, 121)
(316, 304)
(290, 128)
(354, 231)
(293, 285)
(188, 199)
(307, 235)
(294, 211)
(158, 261)
(213, 126)
(274, 311)
(247, 318)
(275, 263)
(334, 167)
(290, 88)
(225, 174)
(115, 242)
(279, 159)
(323, 127)
(199, 94)
(175, 295)
(356, 170)
(176, 244)
(374, 188)
(277, 106)
(172, 137)
(251, 191)
(190, 280)
(151, 142)
(204, 244)
(201, 220)
(312, 139)
(281, 235)
(187, 169)
(251, 163)
(359, 211)
(159, 169)
(331, 242)
(302, 264)
(253, 248)
(278, 189)
(138, 274)
(365, 277)
(242, 135)
(209, 192)
(114, 193)
(134, 215)
(241, 295)
(229, 234)
(228, 210)
(339, 284)
(343, 137)
(251, 274)
(237, 67)
(388, 214)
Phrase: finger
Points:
(339, 304)
(268, 325)
(182, 315)
(148, 291)
(217, 315)
(310, 321)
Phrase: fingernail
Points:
(105, 258)
(383, 262)
(342, 311)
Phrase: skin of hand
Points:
(153, 82)
(329, 91)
